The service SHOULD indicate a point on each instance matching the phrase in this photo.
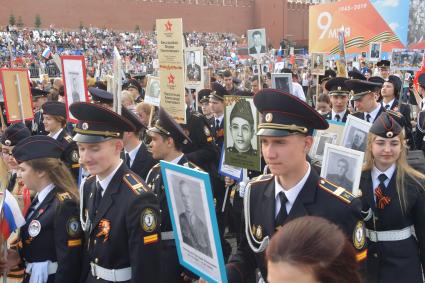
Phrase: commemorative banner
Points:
(171, 67)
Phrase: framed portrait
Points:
(256, 42)
(194, 60)
(282, 81)
(355, 133)
(407, 59)
(74, 82)
(256, 70)
(241, 142)
(192, 212)
(152, 94)
(318, 64)
(16, 94)
(265, 69)
(332, 135)
(230, 171)
(374, 51)
(278, 67)
(342, 167)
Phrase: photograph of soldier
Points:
(340, 173)
(257, 41)
(282, 82)
(193, 66)
(192, 220)
(154, 89)
(324, 139)
(241, 128)
(375, 51)
(356, 140)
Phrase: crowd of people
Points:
(116, 225)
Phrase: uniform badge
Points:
(390, 134)
(34, 228)
(85, 126)
(105, 228)
(207, 131)
(74, 156)
(269, 117)
(73, 227)
(7, 142)
(359, 235)
(259, 233)
(148, 220)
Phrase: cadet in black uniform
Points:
(39, 98)
(167, 139)
(394, 203)
(119, 213)
(217, 107)
(338, 94)
(136, 154)
(293, 189)
(52, 237)
(54, 121)
(101, 97)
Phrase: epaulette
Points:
(135, 184)
(262, 178)
(68, 138)
(63, 196)
(193, 166)
(337, 191)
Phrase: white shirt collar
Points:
(56, 135)
(376, 172)
(133, 153)
(105, 182)
(175, 161)
(44, 192)
(220, 118)
(290, 194)
(341, 114)
(373, 113)
(389, 103)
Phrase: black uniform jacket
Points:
(70, 154)
(395, 261)
(315, 198)
(56, 236)
(362, 115)
(125, 229)
(143, 162)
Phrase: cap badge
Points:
(269, 117)
(7, 142)
(85, 126)
(390, 134)
(339, 88)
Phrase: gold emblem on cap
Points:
(339, 88)
(85, 126)
(390, 134)
(269, 117)
(7, 142)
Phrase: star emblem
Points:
(171, 79)
(168, 26)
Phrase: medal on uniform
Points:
(105, 228)
(34, 228)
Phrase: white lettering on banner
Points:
(324, 22)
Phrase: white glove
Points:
(242, 186)
(39, 271)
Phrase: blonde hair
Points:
(125, 94)
(403, 169)
(58, 174)
(144, 107)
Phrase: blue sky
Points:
(396, 14)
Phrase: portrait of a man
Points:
(242, 128)
(340, 176)
(74, 93)
(257, 43)
(154, 89)
(193, 227)
(193, 69)
(282, 83)
(358, 140)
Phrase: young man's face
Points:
(206, 108)
(255, 87)
(99, 158)
(257, 39)
(242, 133)
(159, 146)
(228, 82)
(342, 168)
(217, 107)
(365, 103)
(285, 155)
(339, 102)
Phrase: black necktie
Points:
(382, 178)
(98, 196)
(368, 117)
(281, 216)
(337, 117)
(217, 123)
(382, 199)
(31, 209)
(127, 160)
(387, 106)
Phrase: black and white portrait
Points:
(318, 63)
(374, 51)
(355, 133)
(256, 69)
(320, 139)
(282, 81)
(264, 69)
(256, 41)
(342, 167)
(192, 220)
(193, 66)
(153, 91)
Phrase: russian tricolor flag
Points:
(12, 217)
(47, 53)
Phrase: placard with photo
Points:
(256, 42)
(152, 94)
(375, 51)
(355, 133)
(407, 59)
(282, 81)
(318, 64)
(193, 67)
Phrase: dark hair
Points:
(257, 32)
(316, 243)
(227, 74)
(324, 98)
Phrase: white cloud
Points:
(394, 26)
(388, 3)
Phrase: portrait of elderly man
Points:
(242, 128)
(193, 227)
(340, 177)
(358, 141)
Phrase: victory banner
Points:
(171, 67)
